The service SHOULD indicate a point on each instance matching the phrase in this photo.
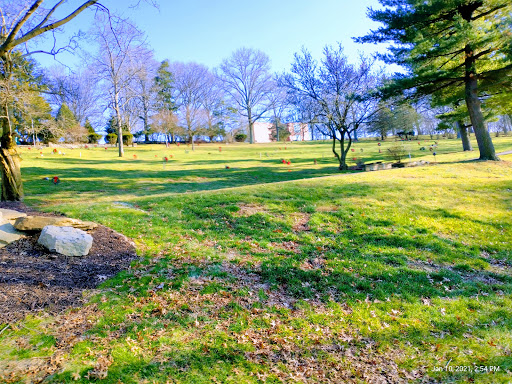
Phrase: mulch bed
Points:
(33, 279)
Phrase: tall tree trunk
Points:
(251, 125)
(119, 124)
(506, 126)
(343, 157)
(145, 118)
(464, 135)
(334, 150)
(189, 127)
(12, 187)
(343, 151)
(483, 138)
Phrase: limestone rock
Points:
(65, 240)
(37, 223)
(9, 214)
(8, 234)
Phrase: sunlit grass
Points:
(246, 278)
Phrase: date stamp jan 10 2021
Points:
(467, 368)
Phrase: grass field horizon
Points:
(266, 272)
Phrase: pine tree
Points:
(65, 116)
(92, 137)
(462, 46)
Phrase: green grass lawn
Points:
(266, 272)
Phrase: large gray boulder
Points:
(67, 241)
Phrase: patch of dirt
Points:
(250, 209)
(327, 208)
(287, 246)
(424, 266)
(33, 279)
(300, 222)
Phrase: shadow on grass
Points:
(143, 183)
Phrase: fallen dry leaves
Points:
(282, 349)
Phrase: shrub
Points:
(94, 138)
(111, 138)
(397, 152)
(240, 137)
(127, 138)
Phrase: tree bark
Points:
(334, 150)
(12, 186)
(483, 138)
(343, 152)
(464, 135)
(119, 124)
(251, 125)
(506, 125)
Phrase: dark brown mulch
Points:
(33, 279)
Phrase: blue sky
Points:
(208, 31)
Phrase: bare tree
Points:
(213, 103)
(21, 22)
(278, 103)
(165, 122)
(335, 93)
(247, 79)
(120, 45)
(77, 90)
(190, 84)
(145, 92)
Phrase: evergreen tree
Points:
(65, 116)
(460, 45)
(111, 125)
(164, 86)
(92, 137)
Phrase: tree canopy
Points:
(459, 48)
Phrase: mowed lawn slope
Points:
(269, 272)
